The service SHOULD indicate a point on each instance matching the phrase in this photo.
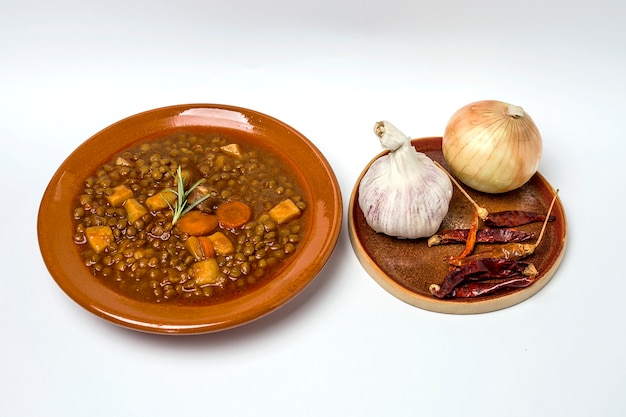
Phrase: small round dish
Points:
(63, 260)
(407, 267)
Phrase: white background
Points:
(331, 69)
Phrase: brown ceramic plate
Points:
(406, 268)
(55, 229)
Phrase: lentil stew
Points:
(124, 219)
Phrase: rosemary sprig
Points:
(182, 206)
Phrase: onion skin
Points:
(492, 146)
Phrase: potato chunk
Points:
(134, 210)
(120, 194)
(221, 244)
(207, 272)
(159, 201)
(232, 149)
(99, 237)
(284, 212)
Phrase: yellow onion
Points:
(492, 146)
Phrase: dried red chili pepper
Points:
(481, 288)
(488, 268)
(510, 251)
(486, 235)
(513, 251)
(513, 218)
(471, 238)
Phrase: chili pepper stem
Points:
(545, 222)
(482, 212)
(529, 249)
(434, 240)
(530, 271)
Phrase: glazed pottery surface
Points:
(62, 258)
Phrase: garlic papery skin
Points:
(492, 146)
(403, 193)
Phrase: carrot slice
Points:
(207, 247)
(200, 247)
(197, 223)
(233, 214)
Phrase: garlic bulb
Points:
(403, 193)
(492, 146)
